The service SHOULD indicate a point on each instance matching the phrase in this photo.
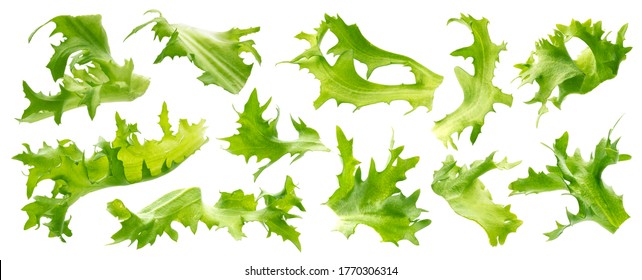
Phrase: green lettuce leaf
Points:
(259, 137)
(469, 198)
(232, 211)
(376, 201)
(583, 180)
(341, 81)
(479, 92)
(93, 78)
(551, 66)
(216, 53)
(124, 161)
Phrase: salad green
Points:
(480, 94)
(551, 65)
(468, 197)
(583, 180)
(259, 137)
(376, 201)
(216, 53)
(342, 82)
(93, 76)
(123, 161)
(232, 211)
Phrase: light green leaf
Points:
(376, 201)
(469, 198)
(551, 66)
(216, 53)
(258, 137)
(583, 180)
(93, 78)
(157, 156)
(341, 81)
(122, 162)
(539, 182)
(232, 211)
(480, 94)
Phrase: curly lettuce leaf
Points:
(258, 137)
(539, 182)
(216, 53)
(124, 161)
(341, 81)
(480, 94)
(461, 187)
(232, 211)
(376, 202)
(93, 78)
(583, 180)
(551, 66)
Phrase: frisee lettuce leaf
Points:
(258, 137)
(376, 201)
(551, 66)
(583, 180)
(232, 211)
(93, 77)
(122, 162)
(466, 194)
(480, 94)
(341, 81)
(216, 53)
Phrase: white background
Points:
(450, 248)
